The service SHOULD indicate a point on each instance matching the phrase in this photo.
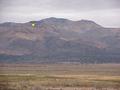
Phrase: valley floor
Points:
(62, 76)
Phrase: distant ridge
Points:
(59, 40)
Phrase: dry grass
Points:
(60, 77)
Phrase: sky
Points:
(103, 12)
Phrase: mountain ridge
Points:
(59, 40)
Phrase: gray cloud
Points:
(86, 4)
(101, 11)
(63, 4)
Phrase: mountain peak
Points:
(89, 24)
(53, 19)
(84, 20)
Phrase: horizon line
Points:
(22, 22)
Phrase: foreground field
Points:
(60, 76)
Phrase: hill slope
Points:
(59, 40)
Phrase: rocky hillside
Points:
(59, 40)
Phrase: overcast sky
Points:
(104, 12)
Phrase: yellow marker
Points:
(33, 24)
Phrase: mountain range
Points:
(59, 40)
